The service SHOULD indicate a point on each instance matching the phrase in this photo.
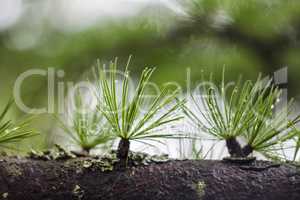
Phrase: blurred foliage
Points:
(247, 37)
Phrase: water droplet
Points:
(272, 107)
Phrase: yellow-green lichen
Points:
(56, 153)
(138, 158)
(103, 164)
(14, 170)
(200, 189)
(87, 163)
(5, 195)
(78, 192)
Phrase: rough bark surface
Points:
(234, 148)
(173, 180)
(247, 150)
(122, 154)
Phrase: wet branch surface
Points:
(81, 178)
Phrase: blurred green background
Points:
(247, 37)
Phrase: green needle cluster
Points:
(135, 117)
(13, 132)
(245, 112)
(87, 128)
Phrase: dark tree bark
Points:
(122, 154)
(247, 150)
(234, 148)
(173, 180)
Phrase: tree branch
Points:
(82, 178)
